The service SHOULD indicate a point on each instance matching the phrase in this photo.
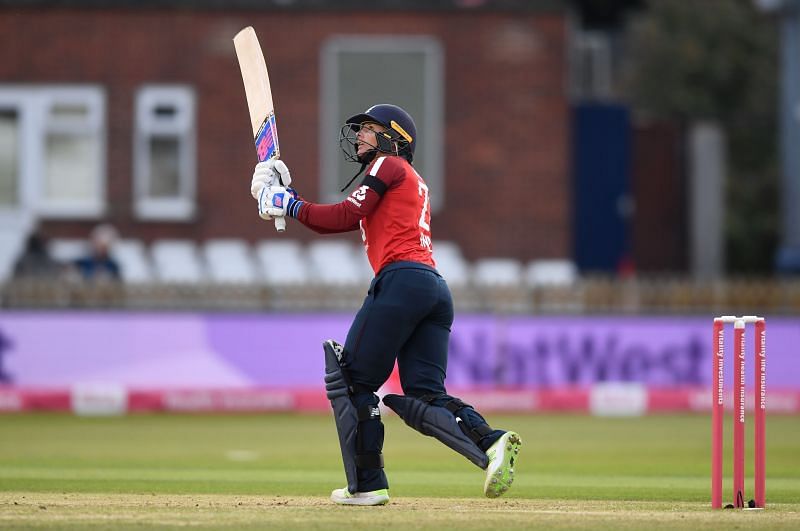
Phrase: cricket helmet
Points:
(400, 137)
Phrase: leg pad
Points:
(350, 420)
(438, 422)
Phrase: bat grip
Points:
(280, 224)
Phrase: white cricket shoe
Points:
(373, 497)
(502, 459)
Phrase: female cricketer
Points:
(406, 315)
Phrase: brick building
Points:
(134, 113)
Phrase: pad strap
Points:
(369, 461)
(454, 405)
(367, 413)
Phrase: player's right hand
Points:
(274, 201)
(268, 173)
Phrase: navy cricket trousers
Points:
(407, 316)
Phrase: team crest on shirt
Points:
(358, 195)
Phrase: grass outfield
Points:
(276, 471)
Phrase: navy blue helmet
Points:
(400, 137)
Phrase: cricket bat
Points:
(259, 99)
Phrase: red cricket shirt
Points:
(392, 208)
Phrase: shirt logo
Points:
(360, 193)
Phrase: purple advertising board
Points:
(147, 350)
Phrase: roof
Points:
(310, 5)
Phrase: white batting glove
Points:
(272, 172)
(284, 175)
(274, 202)
(263, 177)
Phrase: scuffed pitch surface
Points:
(137, 511)
(275, 472)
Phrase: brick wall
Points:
(506, 108)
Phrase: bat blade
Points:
(259, 98)
(259, 93)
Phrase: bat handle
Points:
(280, 223)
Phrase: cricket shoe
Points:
(373, 497)
(502, 459)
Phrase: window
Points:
(164, 153)
(52, 150)
(591, 64)
(405, 71)
(9, 157)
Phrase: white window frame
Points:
(183, 127)
(18, 100)
(591, 65)
(34, 104)
(432, 123)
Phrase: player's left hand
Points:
(274, 201)
(263, 177)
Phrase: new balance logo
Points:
(338, 350)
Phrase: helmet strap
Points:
(360, 171)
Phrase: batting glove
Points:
(277, 201)
(268, 173)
